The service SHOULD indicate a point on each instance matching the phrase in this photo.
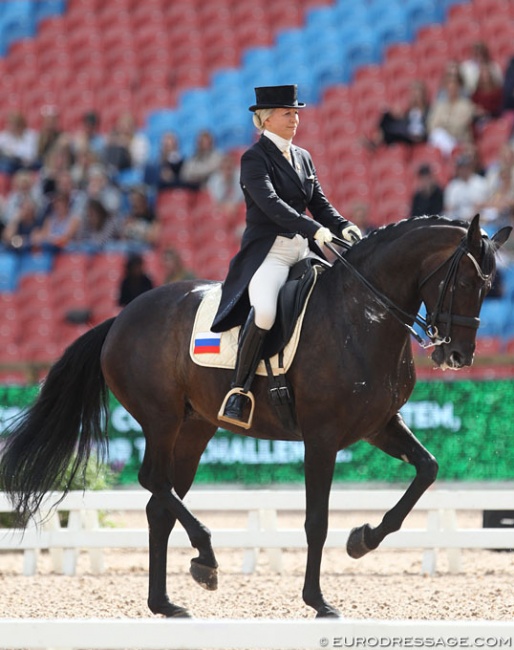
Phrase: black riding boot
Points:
(248, 357)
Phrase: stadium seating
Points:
(184, 66)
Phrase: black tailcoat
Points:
(277, 197)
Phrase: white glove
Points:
(351, 233)
(323, 236)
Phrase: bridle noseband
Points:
(429, 325)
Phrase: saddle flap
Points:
(291, 301)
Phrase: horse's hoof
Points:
(356, 545)
(169, 610)
(178, 612)
(205, 576)
(329, 612)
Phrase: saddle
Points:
(291, 301)
(219, 350)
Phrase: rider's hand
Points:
(351, 233)
(323, 236)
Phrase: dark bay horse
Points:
(352, 373)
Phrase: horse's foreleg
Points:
(398, 441)
(319, 470)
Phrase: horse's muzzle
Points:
(450, 357)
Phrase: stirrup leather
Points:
(240, 423)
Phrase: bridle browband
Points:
(428, 324)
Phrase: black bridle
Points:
(431, 324)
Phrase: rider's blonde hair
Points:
(260, 116)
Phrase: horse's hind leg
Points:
(398, 441)
(168, 471)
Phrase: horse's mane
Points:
(392, 231)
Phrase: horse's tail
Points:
(53, 439)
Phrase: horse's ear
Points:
(474, 232)
(499, 238)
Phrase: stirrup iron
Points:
(240, 423)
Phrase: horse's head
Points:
(453, 290)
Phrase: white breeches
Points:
(272, 274)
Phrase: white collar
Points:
(279, 141)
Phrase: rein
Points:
(428, 324)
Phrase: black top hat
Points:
(276, 97)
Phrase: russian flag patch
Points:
(207, 343)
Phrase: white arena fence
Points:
(202, 634)
(84, 531)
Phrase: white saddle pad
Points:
(219, 350)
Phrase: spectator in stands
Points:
(407, 125)
(126, 147)
(470, 68)
(174, 268)
(224, 186)
(17, 234)
(505, 159)
(89, 136)
(49, 131)
(508, 87)
(165, 173)
(206, 159)
(59, 227)
(18, 145)
(466, 192)
(135, 281)
(98, 227)
(487, 98)
(427, 198)
(498, 208)
(23, 186)
(100, 187)
(57, 160)
(450, 119)
(85, 158)
(64, 184)
(140, 226)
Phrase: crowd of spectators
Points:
(472, 93)
(66, 190)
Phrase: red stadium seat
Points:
(461, 30)
(488, 346)
(495, 134)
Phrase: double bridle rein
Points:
(428, 324)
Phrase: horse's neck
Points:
(393, 269)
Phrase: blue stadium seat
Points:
(361, 48)
(494, 317)
(40, 262)
(8, 271)
(46, 8)
(422, 12)
(17, 21)
(507, 273)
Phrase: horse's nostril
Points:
(457, 360)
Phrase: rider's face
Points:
(283, 122)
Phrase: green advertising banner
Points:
(467, 425)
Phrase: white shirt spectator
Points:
(466, 192)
